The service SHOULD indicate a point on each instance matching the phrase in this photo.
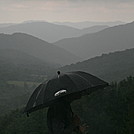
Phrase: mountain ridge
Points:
(37, 48)
(111, 66)
(110, 39)
(48, 31)
(85, 24)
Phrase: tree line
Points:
(107, 111)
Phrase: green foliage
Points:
(14, 95)
(110, 111)
(18, 123)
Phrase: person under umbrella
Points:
(62, 120)
(58, 93)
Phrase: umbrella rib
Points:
(82, 78)
(71, 80)
(74, 82)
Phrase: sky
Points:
(66, 10)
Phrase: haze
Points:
(66, 10)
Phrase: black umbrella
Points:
(49, 92)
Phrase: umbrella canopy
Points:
(49, 92)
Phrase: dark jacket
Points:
(60, 118)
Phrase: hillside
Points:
(108, 40)
(17, 65)
(111, 67)
(37, 48)
(19, 74)
(85, 24)
(5, 24)
(93, 29)
(48, 31)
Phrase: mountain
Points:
(108, 40)
(19, 74)
(17, 65)
(93, 29)
(111, 67)
(18, 57)
(85, 24)
(43, 30)
(37, 48)
(48, 31)
(6, 24)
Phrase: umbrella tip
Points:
(58, 72)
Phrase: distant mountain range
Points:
(49, 32)
(85, 24)
(6, 24)
(110, 67)
(108, 40)
(37, 48)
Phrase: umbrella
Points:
(63, 84)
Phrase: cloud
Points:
(66, 10)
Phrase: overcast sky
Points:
(66, 10)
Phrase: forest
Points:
(107, 111)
